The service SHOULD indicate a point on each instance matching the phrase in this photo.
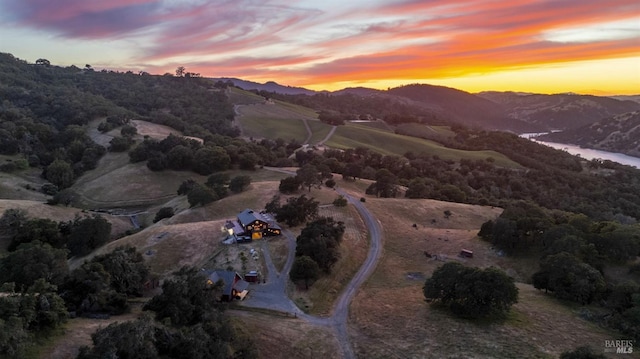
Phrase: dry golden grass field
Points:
(286, 337)
(390, 319)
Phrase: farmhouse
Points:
(234, 287)
(257, 225)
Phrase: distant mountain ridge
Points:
(559, 111)
(269, 86)
(620, 133)
(511, 111)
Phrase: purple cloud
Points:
(84, 18)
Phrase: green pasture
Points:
(269, 127)
(241, 97)
(352, 136)
(425, 131)
(297, 109)
(319, 130)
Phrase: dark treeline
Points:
(40, 292)
(548, 178)
(574, 252)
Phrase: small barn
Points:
(234, 287)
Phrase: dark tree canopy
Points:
(28, 316)
(471, 292)
(60, 174)
(569, 278)
(295, 211)
(306, 269)
(164, 212)
(309, 176)
(32, 261)
(200, 195)
(87, 233)
(320, 241)
(239, 183)
(290, 184)
(186, 298)
(126, 269)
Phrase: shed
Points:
(466, 253)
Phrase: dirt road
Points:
(272, 295)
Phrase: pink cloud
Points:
(84, 18)
(409, 39)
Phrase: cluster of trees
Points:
(218, 153)
(28, 315)
(189, 323)
(103, 284)
(79, 237)
(317, 249)
(525, 228)
(295, 211)
(574, 251)
(471, 292)
(218, 186)
(307, 176)
(40, 291)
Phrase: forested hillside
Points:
(620, 133)
(559, 111)
(45, 111)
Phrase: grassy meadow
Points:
(387, 143)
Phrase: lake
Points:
(588, 153)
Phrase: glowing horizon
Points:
(590, 47)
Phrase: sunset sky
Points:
(583, 46)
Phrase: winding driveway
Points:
(272, 295)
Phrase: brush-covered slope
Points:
(620, 133)
(559, 111)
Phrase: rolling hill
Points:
(509, 111)
(558, 111)
(620, 133)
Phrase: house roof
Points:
(247, 216)
(227, 278)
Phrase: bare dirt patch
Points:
(230, 257)
(167, 248)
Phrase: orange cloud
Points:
(311, 42)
